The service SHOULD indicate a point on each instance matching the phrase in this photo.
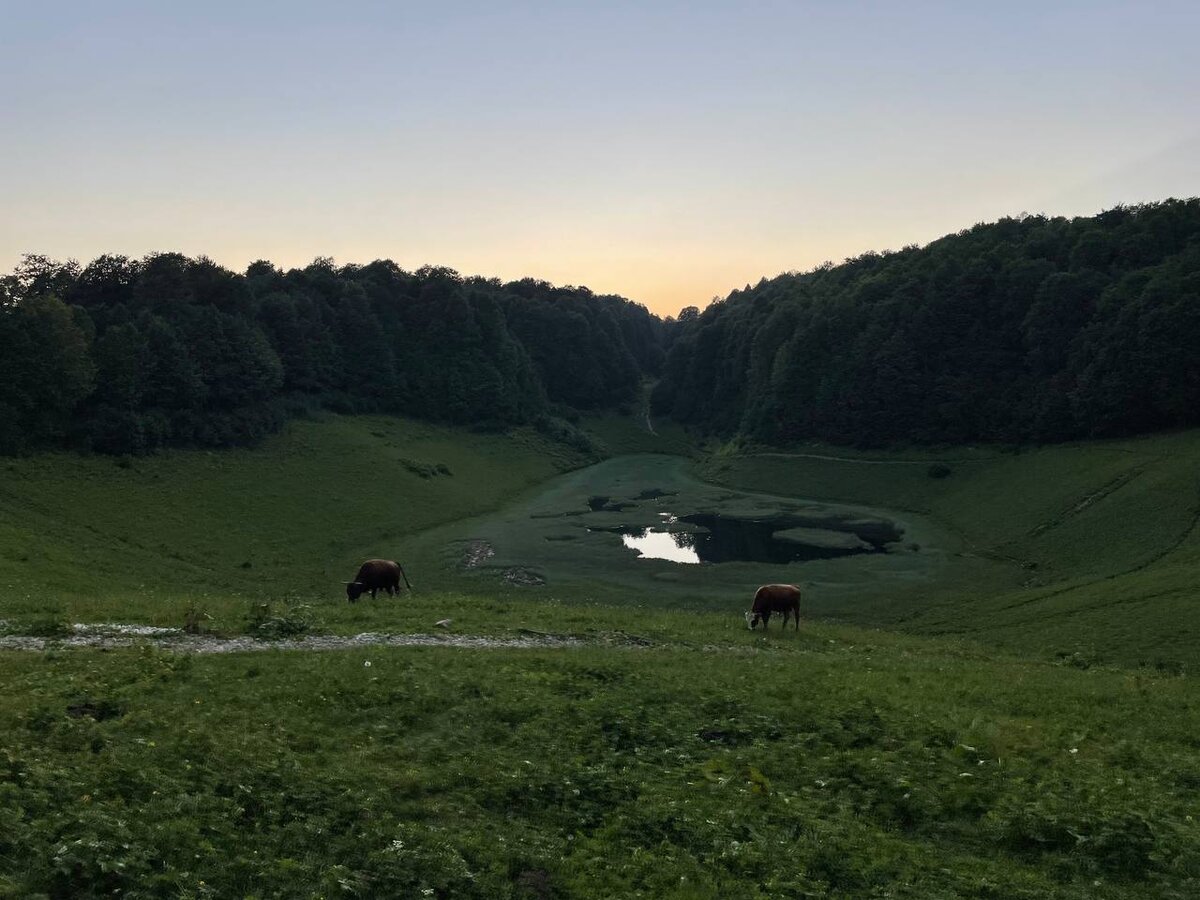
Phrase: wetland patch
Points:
(777, 539)
(643, 529)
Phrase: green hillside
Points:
(1099, 540)
(659, 749)
(1032, 329)
(94, 537)
(1087, 549)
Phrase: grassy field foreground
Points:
(829, 763)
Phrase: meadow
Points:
(1029, 742)
(1097, 543)
(832, 763)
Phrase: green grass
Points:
(554, 532)
(832, 763)
(90, 537)
(617, 435)
(672, 753)
(1104, 537)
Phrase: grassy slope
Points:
(1105, 535)
(91, 539)
(702, 761)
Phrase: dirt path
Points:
(115, 636)
(109, 637)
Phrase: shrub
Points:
(50, 625)
(194, 618)
(565, 433)
(265, 624)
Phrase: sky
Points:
(669, 152)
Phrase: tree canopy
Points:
(127, 355)
(1028, 329)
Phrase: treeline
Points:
(1030, 329)
(123, 356)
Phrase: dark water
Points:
(731, 539)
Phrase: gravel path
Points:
(106, 637)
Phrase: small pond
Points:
(778, 539)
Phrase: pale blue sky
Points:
(665, 151)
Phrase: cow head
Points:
(752, 619)
(354, 590)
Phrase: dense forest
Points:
(123, 356)
(1029, 329)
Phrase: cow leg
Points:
(373, 590)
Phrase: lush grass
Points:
(89, 537)
(555, 532)
(672, 754)
(832, 763)
(618, 434)
(1104, 536)
(1088, 550)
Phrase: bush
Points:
(938, 470)
(565, 433)
(265, 624)
(50, 625)
(194, 618)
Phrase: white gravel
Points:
(112, 636)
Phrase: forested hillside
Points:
(127, 355)
(1027, 329)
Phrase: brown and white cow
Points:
(774, 598)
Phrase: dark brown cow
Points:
(774, 598)
(375, 575)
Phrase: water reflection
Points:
(651, 544)
(776, 539)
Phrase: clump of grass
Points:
(424, 469)
(49, 625)
(195, 618)
(267, 623)
(939, 470)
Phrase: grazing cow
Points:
(772, 598)
(375, 575)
